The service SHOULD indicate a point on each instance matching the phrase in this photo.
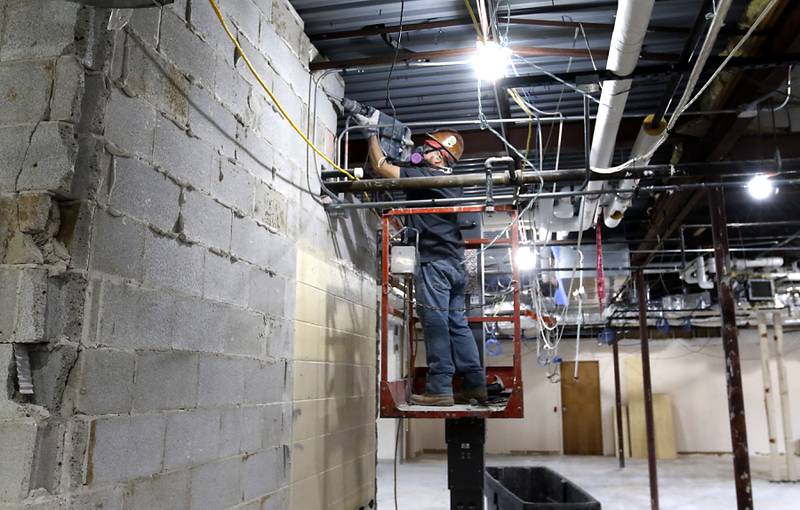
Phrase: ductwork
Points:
(696, 273)
(647, 139)
(743, 264)
(630, 29)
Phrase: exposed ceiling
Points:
(425, 83)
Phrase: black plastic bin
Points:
(534, 488)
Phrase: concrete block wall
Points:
(161, 244)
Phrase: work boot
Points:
(432, 400)
(465, 396)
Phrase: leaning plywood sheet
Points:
(663, 425)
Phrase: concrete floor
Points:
(702, 482)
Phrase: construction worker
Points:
(440, 275)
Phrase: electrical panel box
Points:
(404, 260)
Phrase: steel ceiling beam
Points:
(526, 51)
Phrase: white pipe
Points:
(702, 277)
(614, 213)
(783, 387)
(630, 29)
(647, 139)
(742, 264)
(768, 403)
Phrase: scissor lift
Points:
(465, 424)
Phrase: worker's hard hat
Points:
(449, 140)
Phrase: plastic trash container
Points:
(534, 488)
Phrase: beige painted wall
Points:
(333, 433)
(691, 371)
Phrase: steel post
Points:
(618, 401)
(641, 293)
(730, 343)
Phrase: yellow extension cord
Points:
(271, 95)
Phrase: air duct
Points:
(630, 29)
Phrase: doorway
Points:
(582, 429)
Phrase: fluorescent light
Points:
(526, 258)
(760, 187)
(491, 60)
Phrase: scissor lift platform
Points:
(394, 395)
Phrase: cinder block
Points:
(225, 279)
(200, 325)
(264, 472)
(125, 309)
(235, 187)
(168, 491)
(17, 442)
(283, 59)
(217, 485)
(206, 220)
(50, 367)
(184, 157)
(212, 122)
(260, 246)
(267, 382)
(187, 51)
(252, 427)
(143, 193)
(34, 211)
(165, 380)
(205, 22)
(270, 208)
(146, 24)
(230, 431)
(277, 427)
(130, 124)
(256, 153)
(231, 85)
(106, 381)
(25, 89)
(281, 338)
(12, 153)
(278, 500)
(66, 298)
(192, 438)
(117, 245)
(125, 447)
(244, 333)
(50, 158)
(68, 89)
(50, 36)
(169, 263)
(221, 380)
(109, 498)
(288, 25)
(246, 17)
(267, 293)
(141, 72)
(23, 300)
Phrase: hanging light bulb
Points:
(760, 187)
(491, 60)
(526, 258)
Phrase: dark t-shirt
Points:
(439, 234)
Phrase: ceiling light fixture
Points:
(760, 187)
(491, 61)
(525, 258)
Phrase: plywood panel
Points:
(663, 426)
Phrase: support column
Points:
(730, 343)
(783, 387)
(768, 402)
(652, 469)
(465, 462)
(618, 400)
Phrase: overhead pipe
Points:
(653, 128)
(630, 29)
(742, 264)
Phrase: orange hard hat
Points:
(449, 140)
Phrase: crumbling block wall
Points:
(155, 215)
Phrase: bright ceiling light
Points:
(526, 258)
(760, 187)
(491, 60)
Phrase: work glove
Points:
(370, 122)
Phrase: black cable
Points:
(394, 60)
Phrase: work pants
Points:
(449, 344)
